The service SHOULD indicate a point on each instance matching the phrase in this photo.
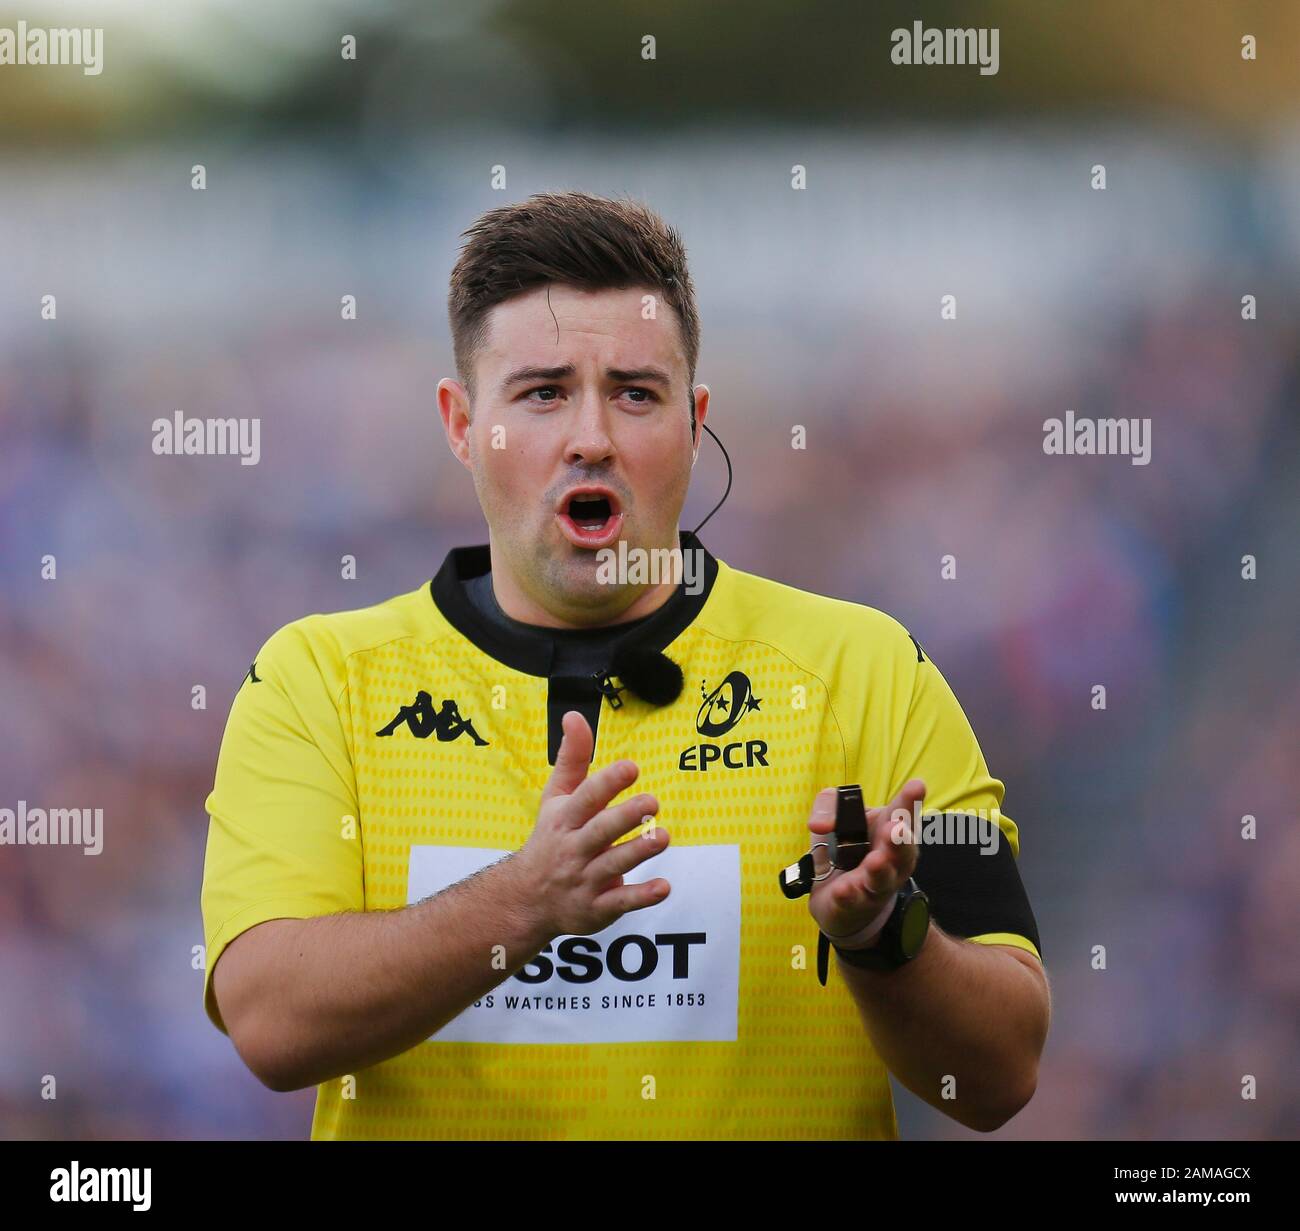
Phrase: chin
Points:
(581, 585)
(569, 575)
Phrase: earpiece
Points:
(725, 494)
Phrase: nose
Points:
(589, 441)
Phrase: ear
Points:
(701, 413)
(453, 406)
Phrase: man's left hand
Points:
(847, 902)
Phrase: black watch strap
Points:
(887, 953)
(823, 957)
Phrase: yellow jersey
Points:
(374, 757)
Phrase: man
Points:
(449, 935)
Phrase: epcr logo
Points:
(726, 705)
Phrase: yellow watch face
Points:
(916, 923)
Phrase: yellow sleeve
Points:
(939, 746)
(283, 838)
(1008, 938)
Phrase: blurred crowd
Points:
(1070, 573)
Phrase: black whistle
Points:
(847, 845)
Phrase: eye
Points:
(645, 396)
(540, 389)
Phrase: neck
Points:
(519, 605)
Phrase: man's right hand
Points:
(571, 872)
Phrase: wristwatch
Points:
(897, 943)
(901, 936)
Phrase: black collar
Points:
(533, 655)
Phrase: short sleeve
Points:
(968, 868)
(283, 836)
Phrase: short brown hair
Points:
(592, 243)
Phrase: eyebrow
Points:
(648, 375)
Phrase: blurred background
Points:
(329, 177)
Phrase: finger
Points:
(822, 820)
(618, 902)
(605, 828)
(893, 826)
(820, 824)
(912, 791)
(573, 758)
(623, 857)
(852, 895)
(883, 872)
(891, 843)
(594, 793)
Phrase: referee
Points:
(440, 884)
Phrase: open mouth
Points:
(591, 518)
(590, 512)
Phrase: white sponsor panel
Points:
(670, 972)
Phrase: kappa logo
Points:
(422, 721)
(718, 714)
